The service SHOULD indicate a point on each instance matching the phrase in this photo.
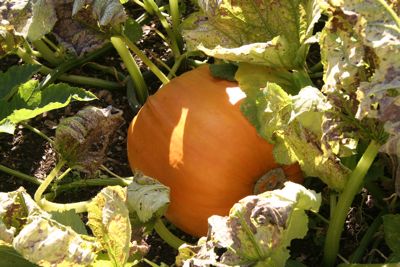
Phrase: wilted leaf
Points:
(29, 101)
(37, 237)
(147, 198)
(104, 11)
(109, 220)
(48, 243)
(264, 32)
(257, 232)
(83, 140)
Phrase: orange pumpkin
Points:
(192, 137)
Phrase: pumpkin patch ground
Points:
(199, 133)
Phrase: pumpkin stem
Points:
(166, 235)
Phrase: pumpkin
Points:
(191, 136)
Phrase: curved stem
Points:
(37, 131)
(79, 207)
(391, 12)
(133, 68)
(110, 172)
(166, 235)
(20, 175)
(353, 186)
(39, 192)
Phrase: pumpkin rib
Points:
(190, 137)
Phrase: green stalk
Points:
(52, 175)
(133, 68)
(175, 18)
(160, 75)
(92, 182)
(70, 64)
(69, 78)
(47, 53)
(173, 43)
(51, 206)
(358, 253)
(37, 131)
(20, 175)
(166, 235)
(353, 186)
(391, 12)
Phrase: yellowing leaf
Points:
(109, 220)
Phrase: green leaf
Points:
(287, 122)
(109, 220)
(13, 77)
(10, 257)
(133, 30)
(29, 101)
(72, 219)
(224, 71)
(258, 230)
(261, 32)
(27, 18)
(147, 198)
(391, 224)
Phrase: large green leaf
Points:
(29, 101)
(257, 232)
(293, 125)
(13, 77)
(264, 32)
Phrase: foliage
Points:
(257, 231)
(23, 98)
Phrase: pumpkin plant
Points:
(192, 137)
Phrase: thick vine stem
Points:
(20, 175)
(353, 186)
(52, 175)
(69, 77)
(133, 68)
(166, 235)
(51, 206)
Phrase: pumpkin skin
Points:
(191, 136)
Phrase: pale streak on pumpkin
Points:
(176, 142)
(235, 94)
